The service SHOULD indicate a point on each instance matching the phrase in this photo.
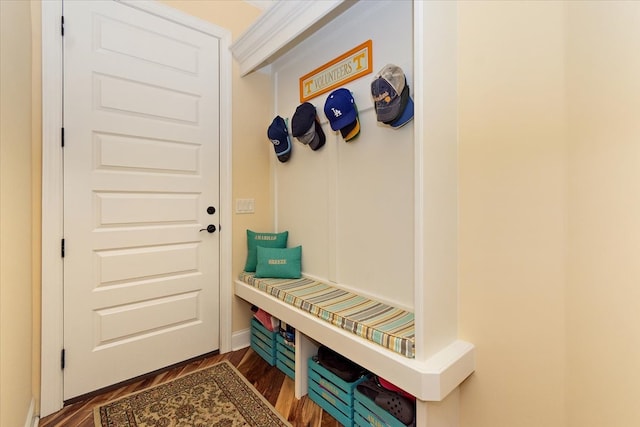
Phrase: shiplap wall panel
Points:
(350, 205)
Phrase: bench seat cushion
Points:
(388, 326)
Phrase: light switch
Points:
(244, 206)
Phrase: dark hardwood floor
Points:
(274, 385)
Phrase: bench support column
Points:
(439, 414)
(305, 348)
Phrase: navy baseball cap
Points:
(279, 137)
(407, 110)
(390, 92)
(340, 109)
(349, 132)
(306, 127)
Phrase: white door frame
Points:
(52, 326)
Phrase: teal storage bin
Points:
(285, 357)
(263, 342)
(367, 411)
(333, 394)
(358, 421)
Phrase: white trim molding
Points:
(418, 189)
(280, 26)
(226, 196)
(241, 339)
(31, 419)
(51, 390)
(51, 397)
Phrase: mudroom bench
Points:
(384, 343)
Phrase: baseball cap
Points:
(390, 92)
(407, 110)
(350, 131)
(306, 127)
(340, 109)
(279, 136)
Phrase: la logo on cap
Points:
(340, 109)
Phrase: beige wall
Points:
(512, 160)
(252, 107)
(549, 111)
(16, 263)
(603, 268)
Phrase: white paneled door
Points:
(141, 181)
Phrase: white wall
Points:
(350, 205)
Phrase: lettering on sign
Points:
(347, 67)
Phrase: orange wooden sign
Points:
(347, 67)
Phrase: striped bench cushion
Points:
(388, 326)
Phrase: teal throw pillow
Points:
(279, 263)
(267, 240)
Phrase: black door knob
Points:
(210, 228)
(211, 210)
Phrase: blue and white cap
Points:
(340, 109)
(279, 137)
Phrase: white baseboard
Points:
(240, 339)
(32, 420)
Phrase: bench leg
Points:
(439, 414)
(305, 348)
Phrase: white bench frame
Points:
(429, 380)
(433, 377)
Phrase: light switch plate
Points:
(245, 206)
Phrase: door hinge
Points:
(62, 248)
(62, 136)
(62, 358)
(62, 26)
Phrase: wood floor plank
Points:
(309, 413)
(286, 397)
(272, 383)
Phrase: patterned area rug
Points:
(215, 396)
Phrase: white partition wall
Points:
(379, 214)
(436, 127)
(351, 205)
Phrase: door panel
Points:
(141, 117)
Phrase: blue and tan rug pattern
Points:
(215, 396)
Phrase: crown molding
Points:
(281, 27)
